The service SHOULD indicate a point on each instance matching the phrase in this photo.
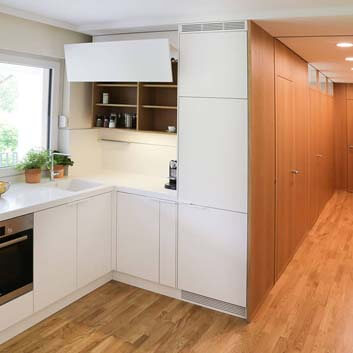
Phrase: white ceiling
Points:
(92, 16)
(323, 54)
(300, 24)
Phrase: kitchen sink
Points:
(74, 185)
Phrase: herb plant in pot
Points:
(60, 162)
(32, 164)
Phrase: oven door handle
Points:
(14, 241)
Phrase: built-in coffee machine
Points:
(173, 165)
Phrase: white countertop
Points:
(25, 198)
(150, 186)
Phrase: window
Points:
(28, 103)
(312, 76)
(323, 82)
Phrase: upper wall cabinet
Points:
(213, 64)
(124, 61)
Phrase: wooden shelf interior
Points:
(154, 103)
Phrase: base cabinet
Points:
(72, 247)
(212, 248)
(167, 242)
(94, 238)
(55, 249)
(146, 238)
(138, 236)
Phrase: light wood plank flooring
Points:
(309, 310)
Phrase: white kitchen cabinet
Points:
(16, 310)
(94, 238)
(138, 236)
(213, 64)
(212, 253)
(168, 227)
(213, 153)
(55, 254)
(146, 60)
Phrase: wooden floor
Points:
(309, 310)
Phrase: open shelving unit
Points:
(155, 104)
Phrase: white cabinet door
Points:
(213, 153)
(94, 224)
(168, 227)
(212, 253)
(213, 65)
(55, 246)
(138, 236)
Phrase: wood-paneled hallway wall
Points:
(292, 164)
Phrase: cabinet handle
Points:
(350, 147)
(319, 155)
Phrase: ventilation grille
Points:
(214, 304)
(214, 26)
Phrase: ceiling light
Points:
(350, 58)
(344, 45)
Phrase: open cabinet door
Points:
(145, 60)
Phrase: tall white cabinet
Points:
(213, 167)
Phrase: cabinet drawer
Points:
(16, 310)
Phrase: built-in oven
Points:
(16, 257)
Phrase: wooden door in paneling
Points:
(300, 150)
(314, 155)
(284, 175)
(350, 143)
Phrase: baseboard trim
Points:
(167, 291)
(39, 316)
(147, 285)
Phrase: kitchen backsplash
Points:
(93, 150)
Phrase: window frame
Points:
(55, 65)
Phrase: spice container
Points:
(99, 121)
(105, 99)
(112, 121)
(106, 122)
(128, 120)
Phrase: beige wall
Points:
(36, 38)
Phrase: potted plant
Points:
(60, 162)
(32, 164)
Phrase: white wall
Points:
(133, 152)
(30, 37)
(84, 149)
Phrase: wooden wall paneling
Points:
(349, 90)
(283, 61)
(331, 129)
(314, 155)
(292, 148)
(340, 129)
(262, 167)
(322, 140)
(284, 175)
(349, 143)
(300, 152)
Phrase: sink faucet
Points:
(52, 154)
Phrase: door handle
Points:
(296, 172)
(350, 147)
(14, 241)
